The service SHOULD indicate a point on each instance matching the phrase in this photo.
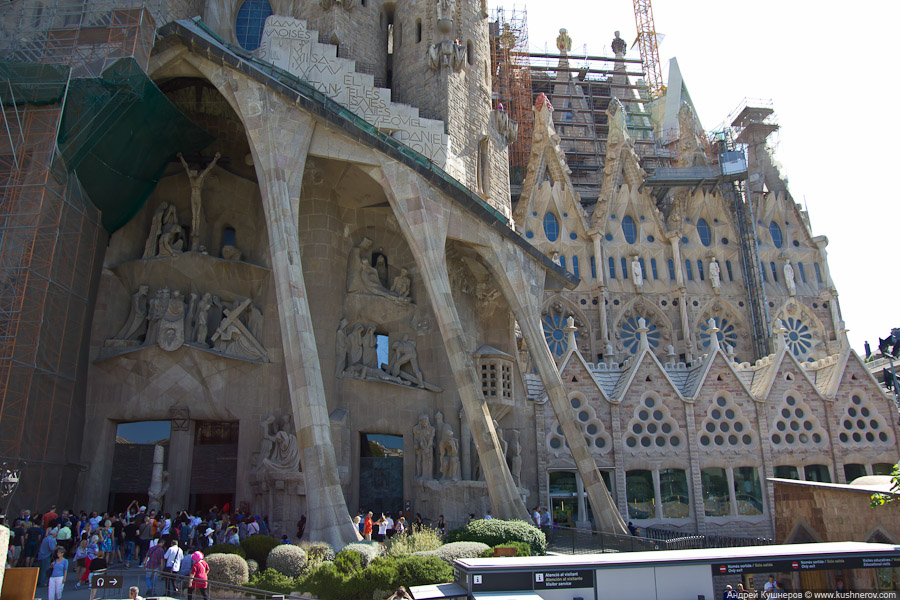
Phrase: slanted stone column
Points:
(521, 280)
(279, 153)
(424, 216)
(181, 460)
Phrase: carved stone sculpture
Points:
(447, 54)
(230, 252)
(381, 269)
(714, 274)
(789, 278)
(136, 324)
(515, 457)
(159, 480)
(283, 454)
(158, 306)
(449, 449)
(403, 352)
(637, 274)
(423, 436)
(401, 284)
(504, 446)
(171, 324)
(152, 243)
(363, 278)
(370, 348)
(233, 337)
(196, 178)
(340, 348)
(202, 323)
(171, 241)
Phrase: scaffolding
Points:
(511, 81)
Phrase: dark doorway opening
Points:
(380, 473)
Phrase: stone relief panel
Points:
(653, 430)
(595, 434)
(862, 426)
(726, 430)
(278, 450)
(795, 425)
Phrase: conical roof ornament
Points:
(713, 330)
(570, 330)
(642, 330)
(779, 331)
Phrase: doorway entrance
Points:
(380, 473)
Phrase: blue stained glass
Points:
(727, 333)
(671, 269)
(529, 234)
(248, 26)
(575, 266)
(762, 268)
(653, 268)
(728, 268)
(689, 269)
(624, 268)
(818, 273)
(562, 261)
(554, 334)
(593, 268)
(774, 272)
(802, 273)
(643, 268)
(612, 268)
(705, 232)
(700, 270)
(551, 227)
(775, 231)
(629, 229)
(609, 237)
(799, 337)
(573, 236)
(629, 336)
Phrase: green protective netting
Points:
(31, 83)
(118, 133)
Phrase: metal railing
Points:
(130, 577)
(568, 540)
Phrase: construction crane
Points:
(647, 41)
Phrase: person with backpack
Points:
(199, 576)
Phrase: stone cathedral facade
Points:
(336, 304)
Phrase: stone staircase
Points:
(288, 43)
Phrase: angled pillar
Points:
(424, 218)
(521, 281)
(279, 154)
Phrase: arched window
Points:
(612, 268)
(575, 266)
(689, 269)
(762, 268)
(774, 272)
(704, 232)
(671, 269)
(802, 273)
(228, 238)
(775, 231)
(700, 270)
(562, 261)
(728, 268)
(248, 26)
(551, 227)
(624, 264)
(418, 31)
(593, 268)
(470, 53)
(643, 268)
(653, 268)
(818, 273)
(629, 229)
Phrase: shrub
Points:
(258, 547)
(272, 581)
(453, 550)
(252, 567)
(413, 541)
(226, 549)
(326, 582)
(368, 550)
(287, 559)
(495, 531)
(318, 551)
(423, 570)
(227, 568)
(348, 561)
(521, 548)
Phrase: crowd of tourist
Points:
(65, 543)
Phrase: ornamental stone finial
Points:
(563, 41)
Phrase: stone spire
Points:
(641, 331)
(570, 330)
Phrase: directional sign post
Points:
(101, 580)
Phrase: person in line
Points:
(46, 552)
(153, 563)
(200, 576)
(173, 557)
(367, 527)
(98, 565)
(58, 569)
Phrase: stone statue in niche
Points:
(637, 274)
(202, 322)
(381, 269)
(158, 306)
(363, 278)
(423, 436)
(789, 278)
(403, 352)
(279, 450)
(171, 240)
(401, 284)
(715, 274)
(233, 337)
(136, 324)
(196, 178)
(449, 449)
(171, 324)
(515, 458)
(151, 246)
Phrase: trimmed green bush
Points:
(495, 531)
(258, 547)
(227, 568)
(326, 582)
(252, 567)
(348, 562)
(410, 542)
(368, 550)
(319, 551)
(226, 549)
(272, 581)
(287, 559)
(453, 550)
(423, 570)
(521, 548)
